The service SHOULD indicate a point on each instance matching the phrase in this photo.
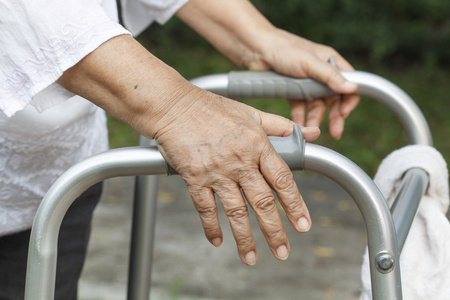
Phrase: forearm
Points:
(128, 82)
(235, 27)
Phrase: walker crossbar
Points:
(268, 84)
(41, 267)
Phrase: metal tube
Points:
(140, 161)
(404, 208)
(382, 242)
(379, 89)
(142, 233)
(370, 85)
(397, 100)
(406, 204)
(217, 83)
(41, 266)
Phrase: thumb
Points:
(330, 75)
(275, 125)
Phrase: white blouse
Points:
(45, 129)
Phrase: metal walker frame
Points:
(386, 230)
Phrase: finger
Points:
(348, 104)
(316, 112)
(205, 204)
(274, 125)
(282, 182)
(298, 111)
(337, 120)
(326, 73)
(236, 211)
(310, 133)
(261, 199)
(342, 63)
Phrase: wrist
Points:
(168, 106)
(235, 27)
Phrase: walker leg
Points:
(142, 238)
(142, 234)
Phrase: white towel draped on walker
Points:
(425, 259)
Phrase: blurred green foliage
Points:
(400, 32)
(406, 42)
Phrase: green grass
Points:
(372, 131)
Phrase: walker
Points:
(386, 230)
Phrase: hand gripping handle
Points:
(268, 84)
(291, 149)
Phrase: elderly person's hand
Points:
(294, 56)
(219, 146)
(239, 31)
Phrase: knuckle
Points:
(247, 176)
(201, 196)
(237, 213)
(295, 206)
(199, 168)
(264, 203)
(308, 67)
(224, 185)
(334, 75)
(277, 235)
(253, 135)
(317, 103)
(193, 171)
(207, 212)
(284, 180)
(245, 242)
(211, 232)
(330, 50)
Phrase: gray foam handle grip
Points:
(291, 149)
(268, 84)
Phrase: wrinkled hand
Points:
(220, 146)
(292, 55)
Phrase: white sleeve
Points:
(139, 14)
(40, 39)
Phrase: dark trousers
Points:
(72, 245)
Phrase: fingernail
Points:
(250, 258)
(310, 130)
(350, 85)
(216, 242)
(303, 224)
(282, 252)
